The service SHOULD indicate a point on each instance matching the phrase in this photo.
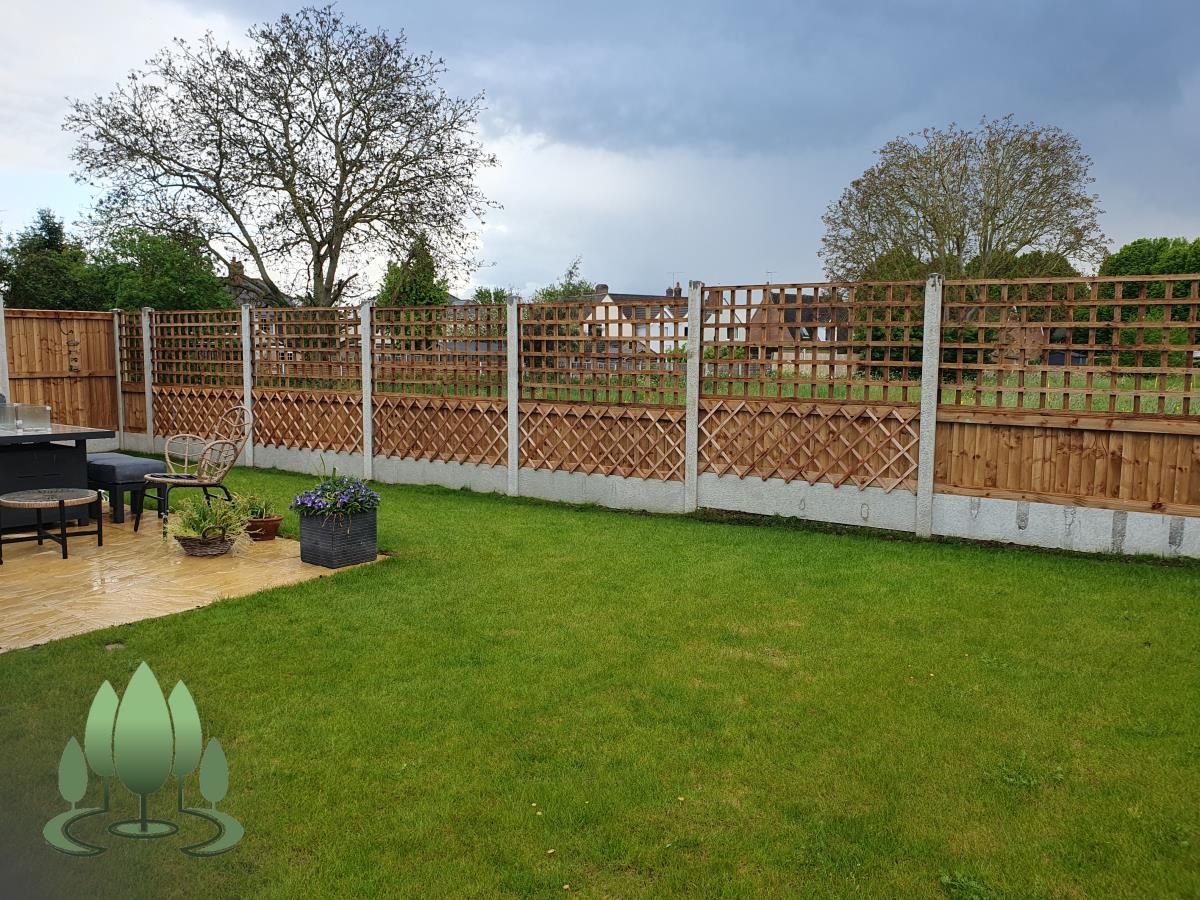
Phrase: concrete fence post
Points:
(148, 376)
(931, 356)
(5, 387)
(366, 338)
(248, 381)
(691, 416)
(118, 378)
(513, 394)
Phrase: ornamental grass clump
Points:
(335, 497)
(194, 517)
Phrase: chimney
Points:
(678, 290)
(602, 289)
(237, 269)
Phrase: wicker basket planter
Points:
(337, 541)
(214, 542)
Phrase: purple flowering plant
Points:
(336, 496)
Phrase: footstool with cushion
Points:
(119, 474)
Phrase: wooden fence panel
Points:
(816, 382)
(65, 360)
(451, 429)
(1140, 465)
(856, 444)
(603, 439)
(197, 368)
(133, 374)
(183, 409)
(308, 420)
(1095, 345)
(308, 379)
(602, 386)
(588, 351)
(441, 351)
(440, 383)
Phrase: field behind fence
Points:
(1073, 392)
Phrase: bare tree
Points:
(318, 144)
(966, 202)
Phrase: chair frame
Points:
(196, 461)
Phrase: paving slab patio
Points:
(132, 577)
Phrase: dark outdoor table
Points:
(54, 458)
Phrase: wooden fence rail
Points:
(1079, 392)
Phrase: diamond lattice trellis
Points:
(631, 441)
(451, 430)
(840, 444)
(190, 410)
(308, 420)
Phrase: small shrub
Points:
(256, 507)
(194, 515)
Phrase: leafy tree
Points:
(42, 268)
(416, 281)
(137, 269)
(1034, 264)
(317, 143)
(72, 773)
(571, 284)
(495, 295)
(143, 743)
(1155, 256)
(98, 735)
(957, 201)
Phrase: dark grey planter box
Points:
(338, 541)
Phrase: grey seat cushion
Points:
(117, 468)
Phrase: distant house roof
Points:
(643, 307)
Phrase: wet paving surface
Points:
(133, 576)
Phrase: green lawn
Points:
(695, 708)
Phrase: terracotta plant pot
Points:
(263, 529)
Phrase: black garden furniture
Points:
(58, 500)
(118, 475)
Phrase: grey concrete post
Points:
(5, 387)
(513, 393)
(248, 381)
(118, 378)
(691, 433)
(931, 355)
(148, 375)
(366, 338)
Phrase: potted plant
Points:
(262, 522)
(337, 522)
(206, 530)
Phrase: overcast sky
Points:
(683, 140)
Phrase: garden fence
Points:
(1079, 393)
